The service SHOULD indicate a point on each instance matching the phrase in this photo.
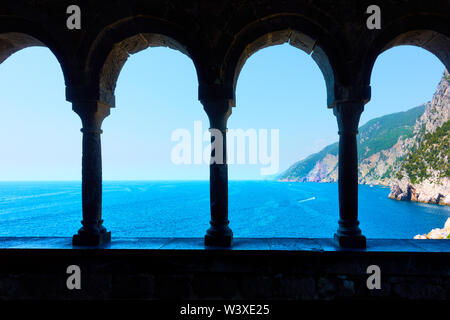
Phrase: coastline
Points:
(396, 193)
(437, 233)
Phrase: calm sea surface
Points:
(181, 209)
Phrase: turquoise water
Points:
(181, 209)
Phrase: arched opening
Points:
(410, 100)
(154, 171)
(12, 42)
(119, 54)
(249, 44)
(432, 41)
(281, 95)
(40, 164)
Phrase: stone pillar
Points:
(348, 234)
(219, 234)
(92, 233)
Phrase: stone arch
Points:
(429, 33)
(118, 41)
(11, 42)
(284, 29)
(16, 35)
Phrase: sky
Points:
(279, 88)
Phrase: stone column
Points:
(92, 233)
(219, 234)
(348, 234)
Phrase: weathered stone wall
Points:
(227, 274)
(220, 35)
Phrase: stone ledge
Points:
(239, 244)
(173, 268)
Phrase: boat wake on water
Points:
(304, 200)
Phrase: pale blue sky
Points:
(279, 87)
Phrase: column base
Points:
(91, 239)
(350, 241)
(214, 241)
(219, 237)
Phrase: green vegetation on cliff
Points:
(376, 135)
(303, 167)
(433, 152)
(382, 133)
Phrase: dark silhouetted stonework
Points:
(294, 269)
(219, 36)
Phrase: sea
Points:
(181, 209)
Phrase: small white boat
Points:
(304, 200)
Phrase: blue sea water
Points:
(181, 209)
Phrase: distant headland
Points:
(407, 151)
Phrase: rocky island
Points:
(437, 233)
(407, 151)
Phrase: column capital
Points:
(353, 93)
(214, 91)
(348, 114)
(218, 111)
(92, 114)
(90, 93)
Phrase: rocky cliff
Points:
(437, 233)
(407, 151)
(380, 145)
(424, 174)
